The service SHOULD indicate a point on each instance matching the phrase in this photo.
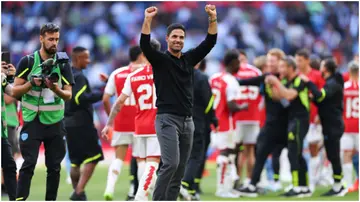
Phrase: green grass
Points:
(96, 187)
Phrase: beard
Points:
(322, 74)
(175, 50)
(51, 51)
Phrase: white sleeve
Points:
(127, 86)
(110, 85)
(232, 89)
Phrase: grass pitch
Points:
(96, 187)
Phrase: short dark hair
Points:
(303, 53)
(78, 49)
(230, 56)
(242, 52)
(330, 65)
(290, 61)
(155, 44)
(174, 26)
(49, 28)
(134, 53)
(315, 62)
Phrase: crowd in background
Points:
(108, 29)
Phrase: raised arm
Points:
(152, 55)
(211, 11)
(197, 54)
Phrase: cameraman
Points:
(43, 88)
(7, 161)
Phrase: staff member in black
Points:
(82, 137)
(42, 103)
(210, 120)
(273, 135)
(292, 88)
(174, 79)
(330, 103)
(203, 105)
(7, 161)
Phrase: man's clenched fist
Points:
(151, 12)
(210, 10)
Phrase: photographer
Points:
(7, 161)
(43, 86)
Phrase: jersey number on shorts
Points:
(352, 107)
(149, 91)
(251, 94)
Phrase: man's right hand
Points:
(151, 12)
(106, 133)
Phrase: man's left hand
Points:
(52, 86)
(211, 10)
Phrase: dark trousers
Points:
(13, 139)
(297, 130)
(196, 156)
(270, 136)
(9, 168)
(332, 146)
(207, 139)
(175, 135)
(32, 135)
(275, 158)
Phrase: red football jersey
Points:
(225, 88)
(351, 107)
(249, 94)
(141, 84)
(315, 76)
(346, 76)
(125, 119)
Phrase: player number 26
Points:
(147, 92)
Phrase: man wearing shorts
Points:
(124, 126)
(146, 145)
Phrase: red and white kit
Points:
(124, 123)
(315, 131)
(350, 139)
(140, 83)
(247, 121)
(225, 88)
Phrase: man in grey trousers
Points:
(173, 78)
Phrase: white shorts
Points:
(314, 134)
(122, 138)
(349, 141)
(146, 147)
(247, 133)
(223, 140)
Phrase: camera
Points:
(48, 66)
